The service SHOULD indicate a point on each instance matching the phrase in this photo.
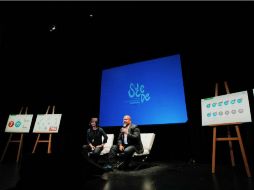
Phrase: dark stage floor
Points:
(52, 173)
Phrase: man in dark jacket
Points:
(129, 142)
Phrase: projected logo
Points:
(137, 94)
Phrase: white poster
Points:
(229, 108)
(47, 123)
(19, 123)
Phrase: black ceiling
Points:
(214, 39)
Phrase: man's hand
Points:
(125, 130)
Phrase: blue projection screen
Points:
(151, 92)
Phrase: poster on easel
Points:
(226, 109)
(47, 123)
(19, 123)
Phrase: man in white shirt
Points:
(129, 142)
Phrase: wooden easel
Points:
(49, 140)
(10, 140)
(229, 139)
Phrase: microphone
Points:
(124, 129)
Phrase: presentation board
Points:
(229, 108)
(19, 123)
(151, 92)
(47, 123)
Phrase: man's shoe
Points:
(108, 168)
(119, 164)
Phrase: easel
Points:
(229, 139)
(20, 141)
(49, 141)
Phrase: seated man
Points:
(129, 142)
(94, 140)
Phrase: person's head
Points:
(94, 122)
(126, 120)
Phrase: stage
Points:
(54, 173)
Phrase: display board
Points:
(229, 108)
(19, 123)
(47, 123)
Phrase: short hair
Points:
(94, 119)
(127, 116)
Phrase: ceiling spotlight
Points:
(91, 15)
(52, 28)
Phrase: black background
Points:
(63, 67)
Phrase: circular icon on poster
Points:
(233, 111)
(240, 100)
(232, 101)
(10, 124)
(240, 110)
(220, 103)
(226, 112)
(17, 124)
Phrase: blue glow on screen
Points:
(151, 92)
